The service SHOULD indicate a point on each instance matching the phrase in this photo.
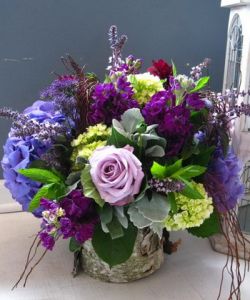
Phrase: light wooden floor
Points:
(193, 273)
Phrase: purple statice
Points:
(74, 216)
(110, 101)
(18, 154)
(174, 121)
(222, 180)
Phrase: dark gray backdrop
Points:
(34, 34)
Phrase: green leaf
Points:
(106, 214)
(189, 172)
(74, 245)
(209, 227)
(120, 141)
(41, 175)
(122, 218)
(155, 209)
(189, 190)
(173, 168)
(131, 119)
(89, 188)
(201, 83)
(50, 191)
(73, 177)
(204, 157)
(172, 201)
(174, 68)
(158, 170)
(115, 228)
(162, 172)
(137, 218)
(117, 251)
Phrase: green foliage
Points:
(74, 245)
(155, 209)
(131, 119)
(172, 201)
(50, 191)
(114, 251)
(174, 68)
(89, 187)
(41, 175)
(209, 227)
(201, 83)
(190, 191)
(134, 132)
(162, 172)
(115, 228)
(188, 172)
(203, 157)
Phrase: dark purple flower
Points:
(110, 102)
(48, 241)
(74, 216)
(194, 101)
(222, 180)
(173, 121)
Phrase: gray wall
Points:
(34, 34)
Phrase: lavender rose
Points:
(116, 173)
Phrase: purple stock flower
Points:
(222, 180)
(74, 216)
(110, 101)
(173, 121)
(47, 240)
(194, 102)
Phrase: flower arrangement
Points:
(102, 163)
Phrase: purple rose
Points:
(116, 173)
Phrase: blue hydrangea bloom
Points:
(222, 180)
(20, 152)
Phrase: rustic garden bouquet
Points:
(115, 165)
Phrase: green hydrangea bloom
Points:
(145, 86)
(191, 212)
(85, 144)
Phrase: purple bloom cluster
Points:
(62, 92)
(66, 85)
(74, 216)
(174, 123)
(111, 101)
(222, 180)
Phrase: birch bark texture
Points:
(147, 257)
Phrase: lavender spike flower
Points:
(42, 131)
(196, 72)
(113, 36)
(116, 45)
(166, 185)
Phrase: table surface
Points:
(193, 273)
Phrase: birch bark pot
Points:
(147, 257)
